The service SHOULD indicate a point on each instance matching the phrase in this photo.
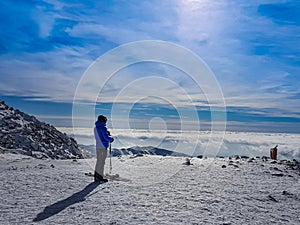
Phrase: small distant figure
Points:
(273, 152)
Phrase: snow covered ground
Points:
(153, 190)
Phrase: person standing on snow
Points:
(102, 142)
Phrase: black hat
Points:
(102, 118)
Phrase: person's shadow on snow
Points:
(57, 207)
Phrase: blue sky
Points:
(251, 47)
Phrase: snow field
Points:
(161, 190)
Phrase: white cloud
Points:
(118, 35)
(224, 33)
(53, 75)
(241, 143)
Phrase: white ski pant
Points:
(101, 156)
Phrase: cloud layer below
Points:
(233, 143)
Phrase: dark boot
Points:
(99, 178)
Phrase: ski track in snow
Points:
(162, 191)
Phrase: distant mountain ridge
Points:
(24, 134)
(146, 150)
(138, 150)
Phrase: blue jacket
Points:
(101, 135)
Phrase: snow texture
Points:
(155, 190)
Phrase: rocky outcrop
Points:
(24, 134)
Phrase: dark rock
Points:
(272, 198)
(2, 123)
(34, 146)
(275, 168)
(277, 174)
(237, 157)
(200, 156)
(187, 162)
(286, 193)
(11, 125)
(223, 166)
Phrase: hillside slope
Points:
(24, 134)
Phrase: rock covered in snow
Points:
(1, 150)
(24, 134)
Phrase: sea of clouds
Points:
(199, 142)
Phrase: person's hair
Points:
(102, 118)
